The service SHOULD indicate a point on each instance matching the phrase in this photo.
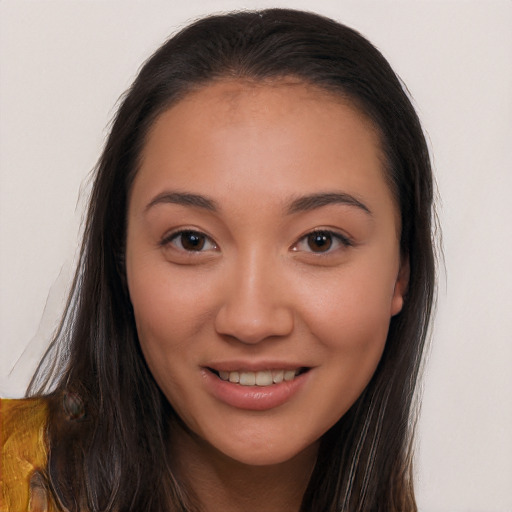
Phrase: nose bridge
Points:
(254, 306)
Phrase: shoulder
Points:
(28, 411)
(23, 449)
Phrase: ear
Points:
(401, 286)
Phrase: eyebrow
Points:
(184, 199)
(300, 204)
(314, 201)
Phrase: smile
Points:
(261, 378)
(257, 389)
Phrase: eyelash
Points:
(330, 236)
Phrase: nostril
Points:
(255, 325)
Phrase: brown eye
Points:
(319, 241)
(191, 241)
(322, 242)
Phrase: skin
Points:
(260, 291)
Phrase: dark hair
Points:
(109, 425)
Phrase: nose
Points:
(255, 304)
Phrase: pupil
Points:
(319, 242)
(192, 241)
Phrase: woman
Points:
(248, 316)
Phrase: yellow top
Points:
(23, 456)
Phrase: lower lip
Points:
(253, 398)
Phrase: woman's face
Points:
(263, 263)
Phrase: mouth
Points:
(262, 378)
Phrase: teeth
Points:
(262, 378)
(289, 375)
(277, 376)
(247, 378)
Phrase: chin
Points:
(266, 452)
(262, 458)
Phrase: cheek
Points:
(349, 320)
(167, 327)
(166, 301)
(162, 315)
(353, 308)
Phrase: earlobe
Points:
(401, 286)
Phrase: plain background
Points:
(63, 66)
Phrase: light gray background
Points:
(63, 65)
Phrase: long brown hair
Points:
(109, 422)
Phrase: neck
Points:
(218, 482)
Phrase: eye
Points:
(321, 242)
(190, 241)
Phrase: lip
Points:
(253, 398)
(252, 366)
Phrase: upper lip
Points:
(253, 366)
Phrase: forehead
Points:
(257, 99)
(283, 137)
